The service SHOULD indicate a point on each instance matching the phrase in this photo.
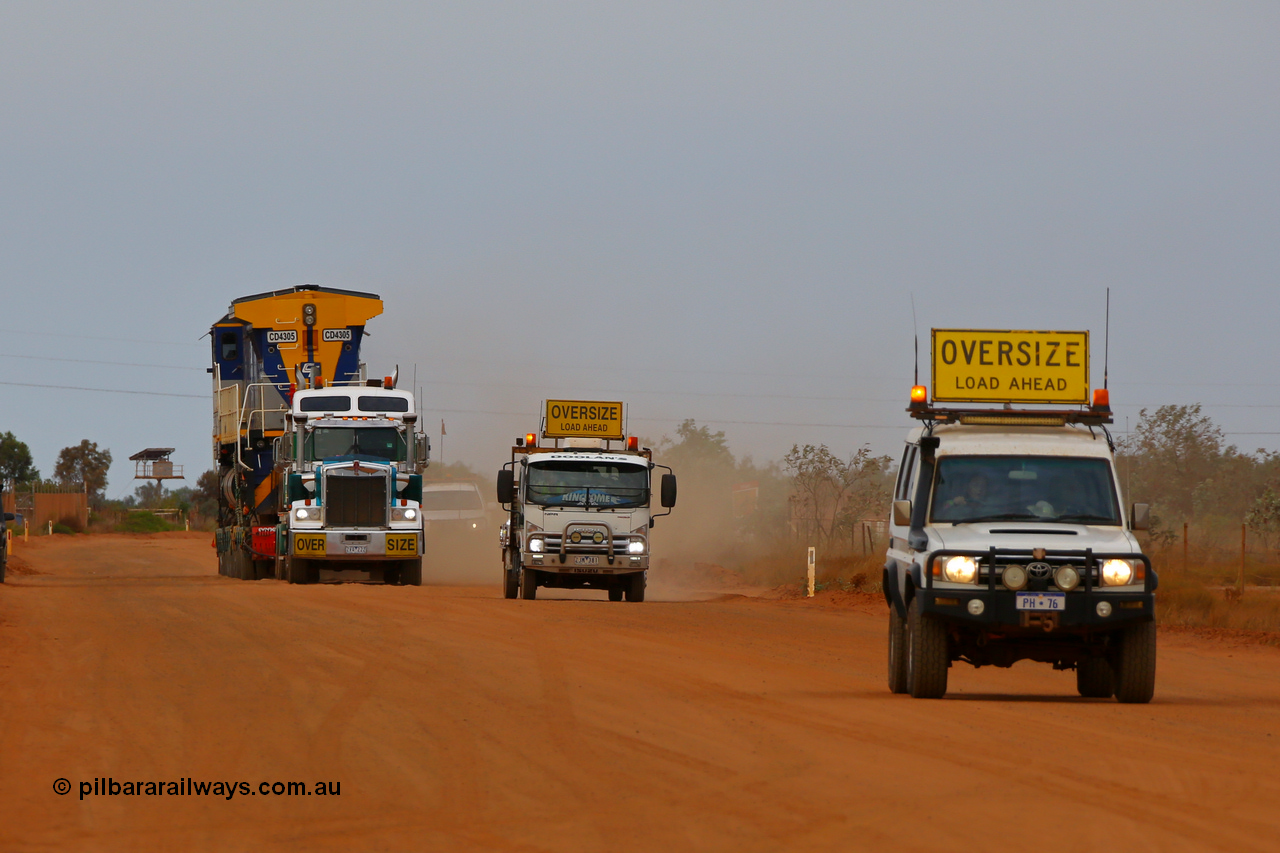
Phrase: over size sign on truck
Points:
(591, 419)
(986, 366)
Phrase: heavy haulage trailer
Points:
(318, 466)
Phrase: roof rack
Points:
(1011, 417)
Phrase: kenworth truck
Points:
(579, 509)
(306, 448)
(1009, 538)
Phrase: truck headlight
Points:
(307, 513)
(635, 546)
(960, 569)
(407, 513)
(1117, 572)
(536, 545)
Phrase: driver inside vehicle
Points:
(977, 494)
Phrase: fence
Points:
(40, 504)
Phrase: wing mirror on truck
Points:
(902, 513)
(1140, 517)
(668, 490)
(8, 516)
(506, 486)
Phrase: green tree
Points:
(1177, 457)
(833, 493)
(84, 465)
(15, 460)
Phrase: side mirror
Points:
(8, 516)
(668, 490)
(902, 513)
(423, 448)
(1140, 517)
(506, 486)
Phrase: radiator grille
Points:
(355, 500)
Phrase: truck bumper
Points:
(354, 545)
(577, 564)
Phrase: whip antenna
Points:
(916, 331)
(1106, 340)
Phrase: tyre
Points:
(391, 574)
(297, 570)
(510, 583)
(615, 593)
(528, 584)
(897, 651)
(635, 586)
(411, 574)
(1094, 678)
(927, 657)
(1135, 664)
(3, 562)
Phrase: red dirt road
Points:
(455, 720)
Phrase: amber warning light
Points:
(633, 443)
(919, 396)
(530, 439)
(1101, 400)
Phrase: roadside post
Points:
(813, 563)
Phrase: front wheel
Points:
(297, 570)
(510, 583)
(927, 657)
(635, 587)
(1094, 678)
(1135, 664)
(528, 584)
(897, 651)
(411, 573)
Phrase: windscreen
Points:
(1076, 490)
(587, 484)
(456, 499)
(381, 443)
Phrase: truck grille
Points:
(355, 500)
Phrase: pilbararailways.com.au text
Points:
(109, 787)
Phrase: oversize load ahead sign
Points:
(569, 418)
(980, 366)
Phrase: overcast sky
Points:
(712, 211)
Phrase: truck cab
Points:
(579, 514)
(352, 484)
(1009, 541)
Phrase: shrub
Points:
(144, 522)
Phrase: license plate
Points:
(1041, 601)
(308, 543)
(357, 549)
(402, 544)
(586, 560)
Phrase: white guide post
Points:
(813, 564)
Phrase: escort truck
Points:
(578, 506)
(1009, 536)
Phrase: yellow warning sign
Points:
(986, 366)
(585, 418)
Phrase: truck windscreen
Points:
(384, 443)
(601, 485)
(1069, 490)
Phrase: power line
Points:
(95, 361)
(105, 390)
(43, 334)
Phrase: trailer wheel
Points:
(528, 584)
(1135, 665)
(1094, 678)
(897, 651)
(411, 574)
(615, 593)
(510, 583)
(635, 587)
(927, 657)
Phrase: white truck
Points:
(352, 485)
(579, 509)
(1009, 538)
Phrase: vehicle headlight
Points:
(536, 545)
(1117, 572)
(307, 513)
(1066, 578)
(635, 546)
(960, 569)
(403, 513)
(410, 514)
